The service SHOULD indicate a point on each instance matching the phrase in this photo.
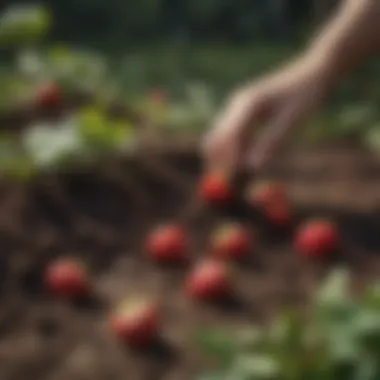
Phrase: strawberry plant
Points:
(81, 138)
(21, 24)
(44, 80)
(340, 340)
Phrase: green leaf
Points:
(213, 376)
(367, 369)
(50, 146)
(104, 134)
(93, 125)
(256, 366)
(251, 338)
(372, 138)
(366, 327)
(31, 64)
(287, 331)
(333, 300)
(78, 69)
(13, 160)
(287, 338)
(201, 101)
(343, 347)
(372, 297)
(122, 135)
(217, 345)
(356, 117)
(23, 23)
(180, 116)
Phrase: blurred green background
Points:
(170, 42)
(217, 44)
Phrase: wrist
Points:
(348, 40)
(329, 63)
(323, 68)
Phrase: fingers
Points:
(272, 137)
(223, 145)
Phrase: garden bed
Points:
(103, 216)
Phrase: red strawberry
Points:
(278, 214)
(215, 188)
(136, 322)
(316, 238)
(232, 241)
(272, 200)
(68, 278)
(265, 194)
(167, 243)
(209, 280)
(49, 96)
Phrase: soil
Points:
(103, 218)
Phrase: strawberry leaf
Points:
(372, 138)
(257, 366)
(51, 146)
(366, 327)
(23, 23)
(372, 297)
(214, 376)
(217, 345)
(333, 301)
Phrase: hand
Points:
(277, 104)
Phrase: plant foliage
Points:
(339, 341)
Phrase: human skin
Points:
(259, 117)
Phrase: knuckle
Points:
(246, 99)
(240, 96)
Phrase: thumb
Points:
(225, 143)
(272, 137)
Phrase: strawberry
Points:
(167, 243)
(68, 278)
(136, 322)
(278, 214)
(49, 96)
(266, 193)
(272, 200)
(209, 280)
(215, 188)
(316, 238)
(232, 240)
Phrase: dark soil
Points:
(103, 219)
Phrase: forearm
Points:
(349, 39)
